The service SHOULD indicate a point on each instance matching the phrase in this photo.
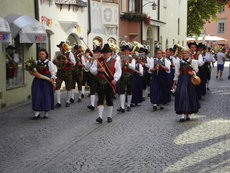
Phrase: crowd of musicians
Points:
(130, 74)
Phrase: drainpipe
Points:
(141, 6)
(89, 20)
(36, 11)
(158, 18)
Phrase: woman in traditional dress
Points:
(43, 90)
(137, 83)
(186, 99)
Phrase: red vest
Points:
(110, 64)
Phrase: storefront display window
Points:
(14, 65)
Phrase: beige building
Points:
(168, 23)
(15, 86)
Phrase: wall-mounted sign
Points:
(4, 37)
(46, 21)
(78, 3)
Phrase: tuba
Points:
(178, 48)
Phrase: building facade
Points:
(167, 26)
(104, 22)
(220, 27)
(26, 32)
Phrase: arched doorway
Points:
(97, 41)
(73, 39)
(150, 40)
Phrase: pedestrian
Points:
(209, 59)
(77, 73)
(64, 62)
(126, 80)
(220, 63)
(158, 68)
(186, 99)
(43, 90)
(104, 86)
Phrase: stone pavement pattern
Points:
(141, 141)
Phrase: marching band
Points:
(131, 73)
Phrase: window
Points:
(111, 1)
(223, 9)
(221, 26)
(123, 6)
(14, 64)
(131, 5)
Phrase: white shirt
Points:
(220, 57)
(117, 65)
(200, 60)
(209, 57)
(52, 68)
(194, 65)
(152, 63)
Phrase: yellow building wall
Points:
(17, 95)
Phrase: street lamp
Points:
(154, 5)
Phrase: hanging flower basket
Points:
(136, 17)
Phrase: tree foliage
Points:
(201, 11)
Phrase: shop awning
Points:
(29, 29)
(5, 33)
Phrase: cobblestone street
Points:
(140, 141)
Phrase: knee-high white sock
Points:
(182, 116)
(58, 94)
(79, 94)
(72, 93)
(129, 100)
(100, 110)
(83, 89)
(110, 111)
(36, 113)
(122, 100)
(92, 99)
(144, 93)
(68, 96)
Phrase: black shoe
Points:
(155, 108)
(109, 119)
(188, 118)
(161, 108)
(208, 88)
(128, 109)
(71, 100)
(82, 95)
(216, 77)
(67, 105)
(132, 105)
(99, 120)
(45, 117)
(91, 107)
(182, 120)
(36, 117)
(143, 98)
(79, 100)
(121, 110)
(58, 105)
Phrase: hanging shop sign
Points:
(78, 3)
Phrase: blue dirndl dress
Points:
(42, 91)
(186, 99)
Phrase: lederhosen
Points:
(65, 74)
(104, 90)
(126, 79)
(77, 74)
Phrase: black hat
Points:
(76, 47)
(97, 49)
(192, 43)
(200, 45)
(142, 49)
(171, 49)
(106, 49)
(60, 44)
(125, 47)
